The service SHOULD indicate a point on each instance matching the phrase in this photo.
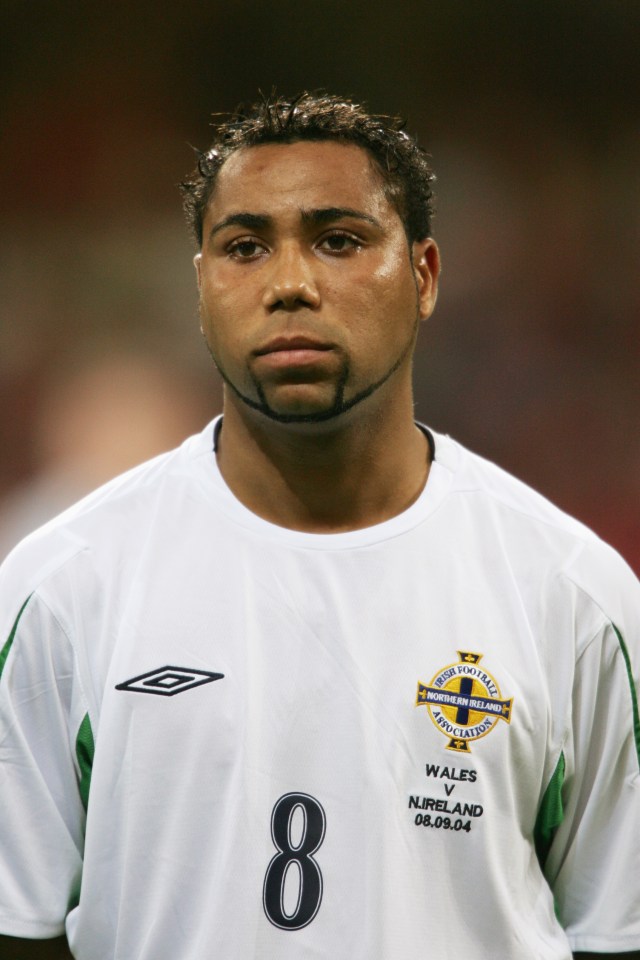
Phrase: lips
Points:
(298, 355)
(290, 344)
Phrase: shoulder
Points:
(476, 477)
(539, 537)
(109, 523)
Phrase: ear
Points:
(425, 258)
(197, 262)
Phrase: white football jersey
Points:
(222, 738)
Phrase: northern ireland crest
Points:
(464, 701)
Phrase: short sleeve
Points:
(593, 864)
(43, 742)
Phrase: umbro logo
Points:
(167, 681)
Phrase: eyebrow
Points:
(330, 214)
(252, 221)
(261, 221)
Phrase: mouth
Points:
(295, 351)
(292, 345)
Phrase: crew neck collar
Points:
(435, 490)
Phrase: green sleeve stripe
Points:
(85, 749)
(634, 694)
(550, 814)
(4, 653)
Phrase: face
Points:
(310, 295)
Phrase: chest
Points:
(396, 671)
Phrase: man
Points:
(319, 683)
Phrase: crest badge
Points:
(464, 701)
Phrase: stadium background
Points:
(530, 110)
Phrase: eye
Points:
(339, 243)
(245, 249)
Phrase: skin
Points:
(313, 439)
(300, 241)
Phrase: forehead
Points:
(301, 175)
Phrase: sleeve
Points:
(593, 864)
(44, 742)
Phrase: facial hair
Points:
(339, 406)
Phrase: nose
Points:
(291, 283)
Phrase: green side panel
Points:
(550, 814)
(4, 653)
(85, 749)
(634, 693)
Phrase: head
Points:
(401, 163)
(315, 264)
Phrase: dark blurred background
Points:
(530, 110)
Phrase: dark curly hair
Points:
(403, 165)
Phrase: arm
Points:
(592, 866)
(42, 823)
(13, 949)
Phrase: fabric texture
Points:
(224, 738)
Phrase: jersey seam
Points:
(560, 753)
(607, 617)
(50, 571)
(582, 537)
(608, 623)
(604, 623)
(32, 923)
(265, 535)
(540, 851)
(626, 656)
(14, 920)
(83, 693)
(332, 548)
(5, 651)
(596, 941)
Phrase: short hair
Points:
(402, 163)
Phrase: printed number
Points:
(293, 881)
(445, 823)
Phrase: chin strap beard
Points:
(339, 406)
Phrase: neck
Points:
(324, 478)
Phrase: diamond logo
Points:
(167, 681)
